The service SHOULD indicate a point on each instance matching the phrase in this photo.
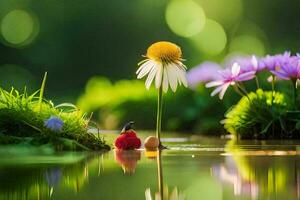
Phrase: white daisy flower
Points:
(164, 64)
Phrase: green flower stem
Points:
(241, 84)
(159, 114)
(160, 175)
(294, 82)
(257, 82)
(237, 90)
(243, 90)
(272, 99)
(273, 89)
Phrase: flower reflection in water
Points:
(174, 195)
(128, 159)
(232, 176)
(163, 193)
(53, 176)
(250, 174)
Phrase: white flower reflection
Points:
(230, 175)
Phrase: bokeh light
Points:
(248, 27)
(17, 77)
(185, 18)
(19, 28)
(212, 39)
(248, 45)
(227, 12)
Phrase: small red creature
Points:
(128, 139)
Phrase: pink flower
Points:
(229, 77)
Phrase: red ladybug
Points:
(128, 139)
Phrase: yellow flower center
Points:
(164, 52)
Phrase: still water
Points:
(192, 168)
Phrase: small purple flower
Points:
(276, 61)
(54, 124)
(247, 63)
(203, 73)
(229, 77)
(289, 69)
(270, 62)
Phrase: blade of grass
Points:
(42, 91)
(67, 106)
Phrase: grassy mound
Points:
(23, 116)
(263, 116)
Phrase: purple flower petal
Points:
(54, 123)
(245, 76)
(203, 73)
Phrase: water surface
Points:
(192, 168)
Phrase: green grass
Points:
(261, 116)
(22, 118)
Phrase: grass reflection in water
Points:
(209, 170)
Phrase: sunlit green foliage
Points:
(101, 92)
(116, 103)
(261, 115)
(22, 118)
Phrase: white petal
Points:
(142, 64)
(224, 88)
(150, 77)
(143, 61)
(270, 79)
(158, 77)
(235, 69)
(179, 74)
(216, 91)
(146, 69)
(148, 194)
(254, 62)
(157, 196)
(174, 194)
(172, 75)
(213, 84)
(165, 80)
(183, 77)
(181, 65)
(139, 69)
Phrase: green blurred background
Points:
(91, 50)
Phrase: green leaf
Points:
(283, 124)
(265, 130)
(297, 126)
